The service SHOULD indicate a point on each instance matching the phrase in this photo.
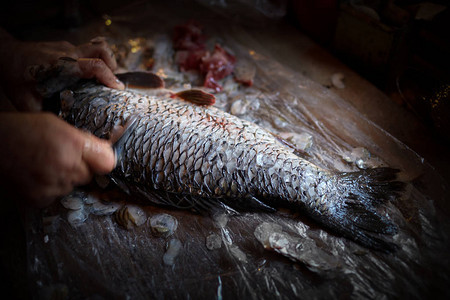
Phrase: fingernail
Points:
(120, 84)
(115, 158)
(68, 59)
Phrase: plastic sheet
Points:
(81, 249)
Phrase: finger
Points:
(98, 48)
(49, 52)
(95, 67)
(98, 155)
(83, 174)
(59, 46)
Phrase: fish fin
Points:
(122, 185)
(371, 241)
(233, 206)
(51, 79)
(162, 198)
(141, 80)
(158, 197)
(197, 204)
(197, 97)
(354, 201)
(202, 205)
(367, 230)
(205, 205)
(369, 220)
(371, 186)
(249, 203)
(119, 136)
(260, 206)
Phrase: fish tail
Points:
(371, 187)
(358, 197)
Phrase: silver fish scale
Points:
(189, 149)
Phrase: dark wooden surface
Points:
(286, 44)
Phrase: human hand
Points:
(45, 157)
(91, 60)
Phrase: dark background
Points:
(405, 57)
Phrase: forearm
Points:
(5, 40)
(9, 55)
(5, 35)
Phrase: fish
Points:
(185, 150)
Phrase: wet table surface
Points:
(220, 256)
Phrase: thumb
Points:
(98, 155)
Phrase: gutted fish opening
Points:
(192, 208)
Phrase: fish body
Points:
(208, 155)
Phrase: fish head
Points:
(53, 78)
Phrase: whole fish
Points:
(206, 156)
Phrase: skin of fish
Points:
(202, 152)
